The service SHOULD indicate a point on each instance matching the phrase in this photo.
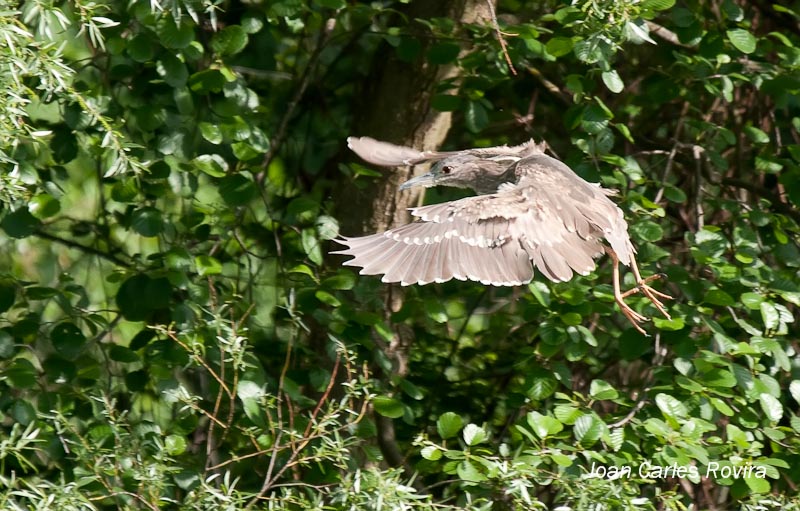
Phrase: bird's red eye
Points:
(446, 169)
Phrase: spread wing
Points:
(493, 239)
(390, 155)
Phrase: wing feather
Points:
(551, 219)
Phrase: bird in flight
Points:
(532, 211)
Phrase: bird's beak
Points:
(425, 180)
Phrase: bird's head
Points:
(483, 175)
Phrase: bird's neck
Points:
(492, 176)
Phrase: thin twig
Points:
(273, 458)
(500, 37)
(200, 361)
(550, 86)
(325, 394)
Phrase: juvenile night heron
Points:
(533, 211)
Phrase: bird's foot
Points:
(651, 294)
(633, 317)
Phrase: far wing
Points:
(390, 155)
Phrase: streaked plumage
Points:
(534, 212)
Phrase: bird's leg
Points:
(649, 292)
(634, 317)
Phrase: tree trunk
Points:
(396, 107)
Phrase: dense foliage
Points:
(174, 336)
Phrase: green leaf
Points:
(139, 295)
(670, 325)
(140, 48)
(207, 81)
(211, 133)
(742, 40)
(602, 390)
(174, 35)
(671, 407)
(467, 472)
(588, 429)
(119, 353)
(648, 231)
(327, 298)
(408, 49)
(559, 46)
(540, 384)
(567, 414)
(7, 348)
(175, 444)
(758, 484)
(68, 340)
(431, 452)
(21, 374)
(721, 406)
(541, 292)
(769, 315)
(449, 424)
(674, 194)
(794, 390)
(388, 406)
(327, 227)
(411, 390)
(756, 135)
(613, 81)
(446, 102)
(147, 221)
(125, 190)
(772, 408)
(752, 301)
(718, 297)
(657, 5)
(20, 223)
(173, 70)
(8, 294)
(244, 151)
(443, 53)
(436, 310)
(476, 116)
(23, 412)
(638, 32)
(311, 245)
(732, 11)
(64, 145)
(207, 265)
(543, 425)
(252, 396)
(44, 206)
(343, 281)
(212, 164)
(473, 434)
(719, 377)
(230, 40)
(40, 292)
(237, 190)
(303, 210)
